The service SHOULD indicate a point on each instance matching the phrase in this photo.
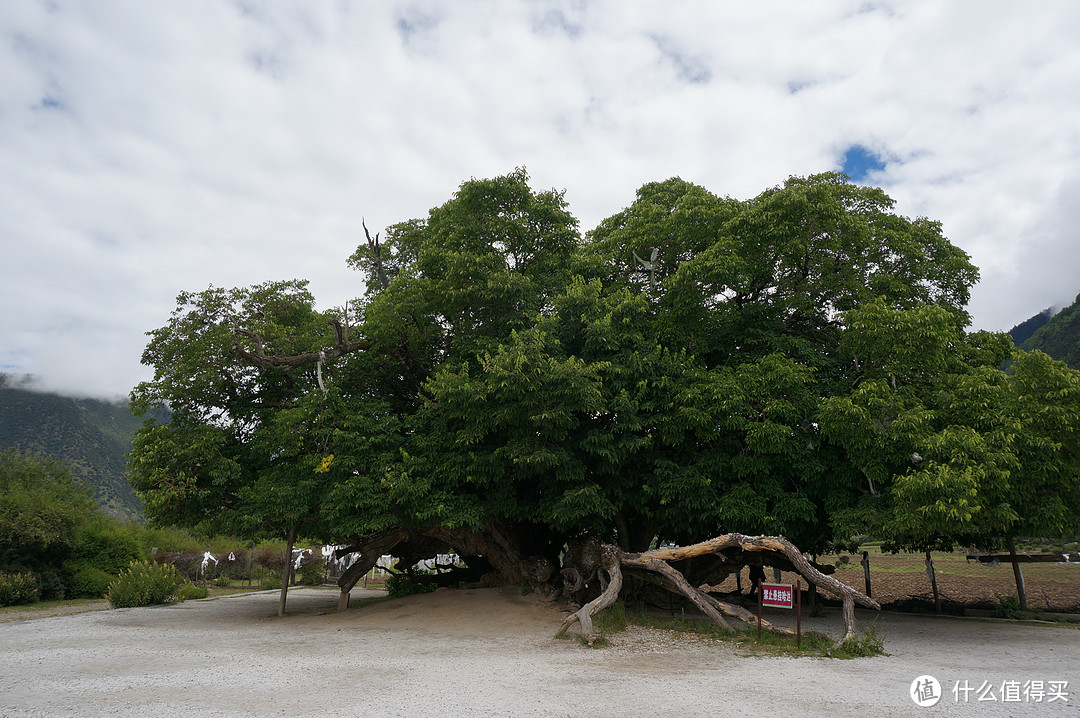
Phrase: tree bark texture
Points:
(1018, 574)
(286, 572)
(370, 551)
(584, 615)
(654, 566)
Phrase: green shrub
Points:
(402, 584)
(169, 538)
(223, 581)
(267, 577)
(311, 573)
(865, 644)
(51, 584)
(17, 588)
(107, 544)
(145, 583)
(1008, 606)
(89, 582)
(190, 591)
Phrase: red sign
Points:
(777, 595)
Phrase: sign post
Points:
(782, 595)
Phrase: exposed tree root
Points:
(653, 566)
(584, 563)
(608, 596)
(705, 603)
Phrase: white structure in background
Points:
(442, 560)
(298, 556)
(381, 566)
(338, 564)
(206, 559)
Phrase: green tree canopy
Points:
(794, 364)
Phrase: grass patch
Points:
(864, 645)
(191, 592)
(613, 620)
(47, 605)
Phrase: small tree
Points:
(246, 437)
(41, 510)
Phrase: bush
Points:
(402, 584)
(311, 573)
(1008, 607)
(190, 591)
(169, 538)
(51, 585)
(145, 583)
(89, 582)
(270, 556)
(223, 581)
(106, 544)
(17, 588)
(865, 644)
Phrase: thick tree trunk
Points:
(1021, 593)
(287, 572)
(866, 572)
(370, 551)
(502, 549)
(849, 619)
(499, 546)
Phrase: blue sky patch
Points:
(859, 162)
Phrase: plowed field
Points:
(901, 579)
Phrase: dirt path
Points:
(487, 652)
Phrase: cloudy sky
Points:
(149, 148)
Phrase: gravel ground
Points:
(488, 652)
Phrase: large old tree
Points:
(518, 392)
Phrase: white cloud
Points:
(147, 149)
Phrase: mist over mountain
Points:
(91, 436)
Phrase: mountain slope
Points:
(92, 437)
(1060, 337)
(1023, 331)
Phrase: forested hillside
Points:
(1023, 331)
(1059, 337)
(92, 437)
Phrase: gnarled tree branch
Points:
(260, 358)
(376, 257)
(653, 566)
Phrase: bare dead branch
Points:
(376, 256)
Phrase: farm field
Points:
(900, 581)
(897, 577)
